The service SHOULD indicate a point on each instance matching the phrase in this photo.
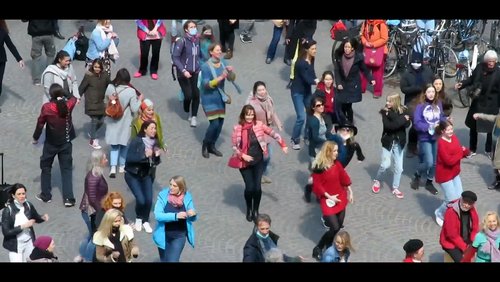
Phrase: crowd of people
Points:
(136, 140)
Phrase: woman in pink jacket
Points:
(150, 34)
(250, 147)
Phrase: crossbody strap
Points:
(118, 96)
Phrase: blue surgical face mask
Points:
(193, 31)
(262, 235)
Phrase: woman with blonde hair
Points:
(332, 185)
(395, 120)
(340, 250)
(114, 240)
(175, 213)
(487, 241)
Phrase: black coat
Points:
(252, 251)
(351, 83)
(10, 231)
(394, 129)
(487, 102)
(408, 83)
(5, 40)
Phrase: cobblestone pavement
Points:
(379, 224)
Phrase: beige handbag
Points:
(278, 23)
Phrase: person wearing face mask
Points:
(207, 38)
(60, 72)
(187, 57)
(414, 78)
(114, 240)
(18, 218)
(262, 241)
(150, 34)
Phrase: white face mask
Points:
(416, 65)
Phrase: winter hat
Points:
(413, 245)
(146, 103)
(417, 57)
(43, 242)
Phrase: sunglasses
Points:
(318, 105)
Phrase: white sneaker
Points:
(193, 122)
(121, 169)
(147, 227)
(112, 171)
(295, 146)
(439, 220)
(138, 225)
(94, 143)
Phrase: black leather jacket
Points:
(10, 231)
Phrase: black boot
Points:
(249, 214)
(430, 187)
(307, 193)
(255, 213)
(211, 149)
(496, 182)
(204, 150)
(415, 182)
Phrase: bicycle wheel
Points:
(450, 61)
(391, 61)
(463, 94)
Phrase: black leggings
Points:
(334, 222)
(456, 254)
(191, 92)
(252, 176)
(473, 141)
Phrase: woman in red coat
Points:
(332, 185)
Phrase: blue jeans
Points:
(427, 153)
(397, 159)
(213, 130)
(87, 249)
(267, 160)
(300, 102)
(271, 51)
(452, 190)
(174, 247)
(142, 188)
(117, 155)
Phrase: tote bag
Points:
(374, 56)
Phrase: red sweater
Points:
(449, 155)
(329, 97)
(334, 181)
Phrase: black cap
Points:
(469, 196)
(413, 245)
(417, 57)
(347, 125)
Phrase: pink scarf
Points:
(347, 61)
(245, 136)
(176, 200)
(490, 246)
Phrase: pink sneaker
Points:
(137, 74)
(397, 193)
(154, 76)
(376, 186)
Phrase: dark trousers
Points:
(346, 112)
(456, 254)
(412, 137)
(189, 87)
(142, 188)
(334, 222)
(155, 58)
(2, 70)
(291, 47)
(271, 50)
(226, 37)
(95, 124)
(473, 141)
(252, 176)
(64, 154)
(213, 131)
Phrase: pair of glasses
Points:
(318, 105)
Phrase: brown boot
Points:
(229, 54)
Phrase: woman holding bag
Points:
(374, 35)
(250, 150)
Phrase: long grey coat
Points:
(118, 130)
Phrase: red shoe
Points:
(376, 186)
(137, 74)
(154, 76)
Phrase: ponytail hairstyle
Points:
(57, 95)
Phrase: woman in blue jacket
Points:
(175, 214)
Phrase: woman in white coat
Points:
(118, 130)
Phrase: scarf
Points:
(490, 246)
(148, 142)
(112, 50)
(347, 61)
(176, 200)
(245, 136)
(266, 103)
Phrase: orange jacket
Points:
(379, 36)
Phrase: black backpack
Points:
(81, 45)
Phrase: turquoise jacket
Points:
(162, 217)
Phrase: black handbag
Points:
(4, 189)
